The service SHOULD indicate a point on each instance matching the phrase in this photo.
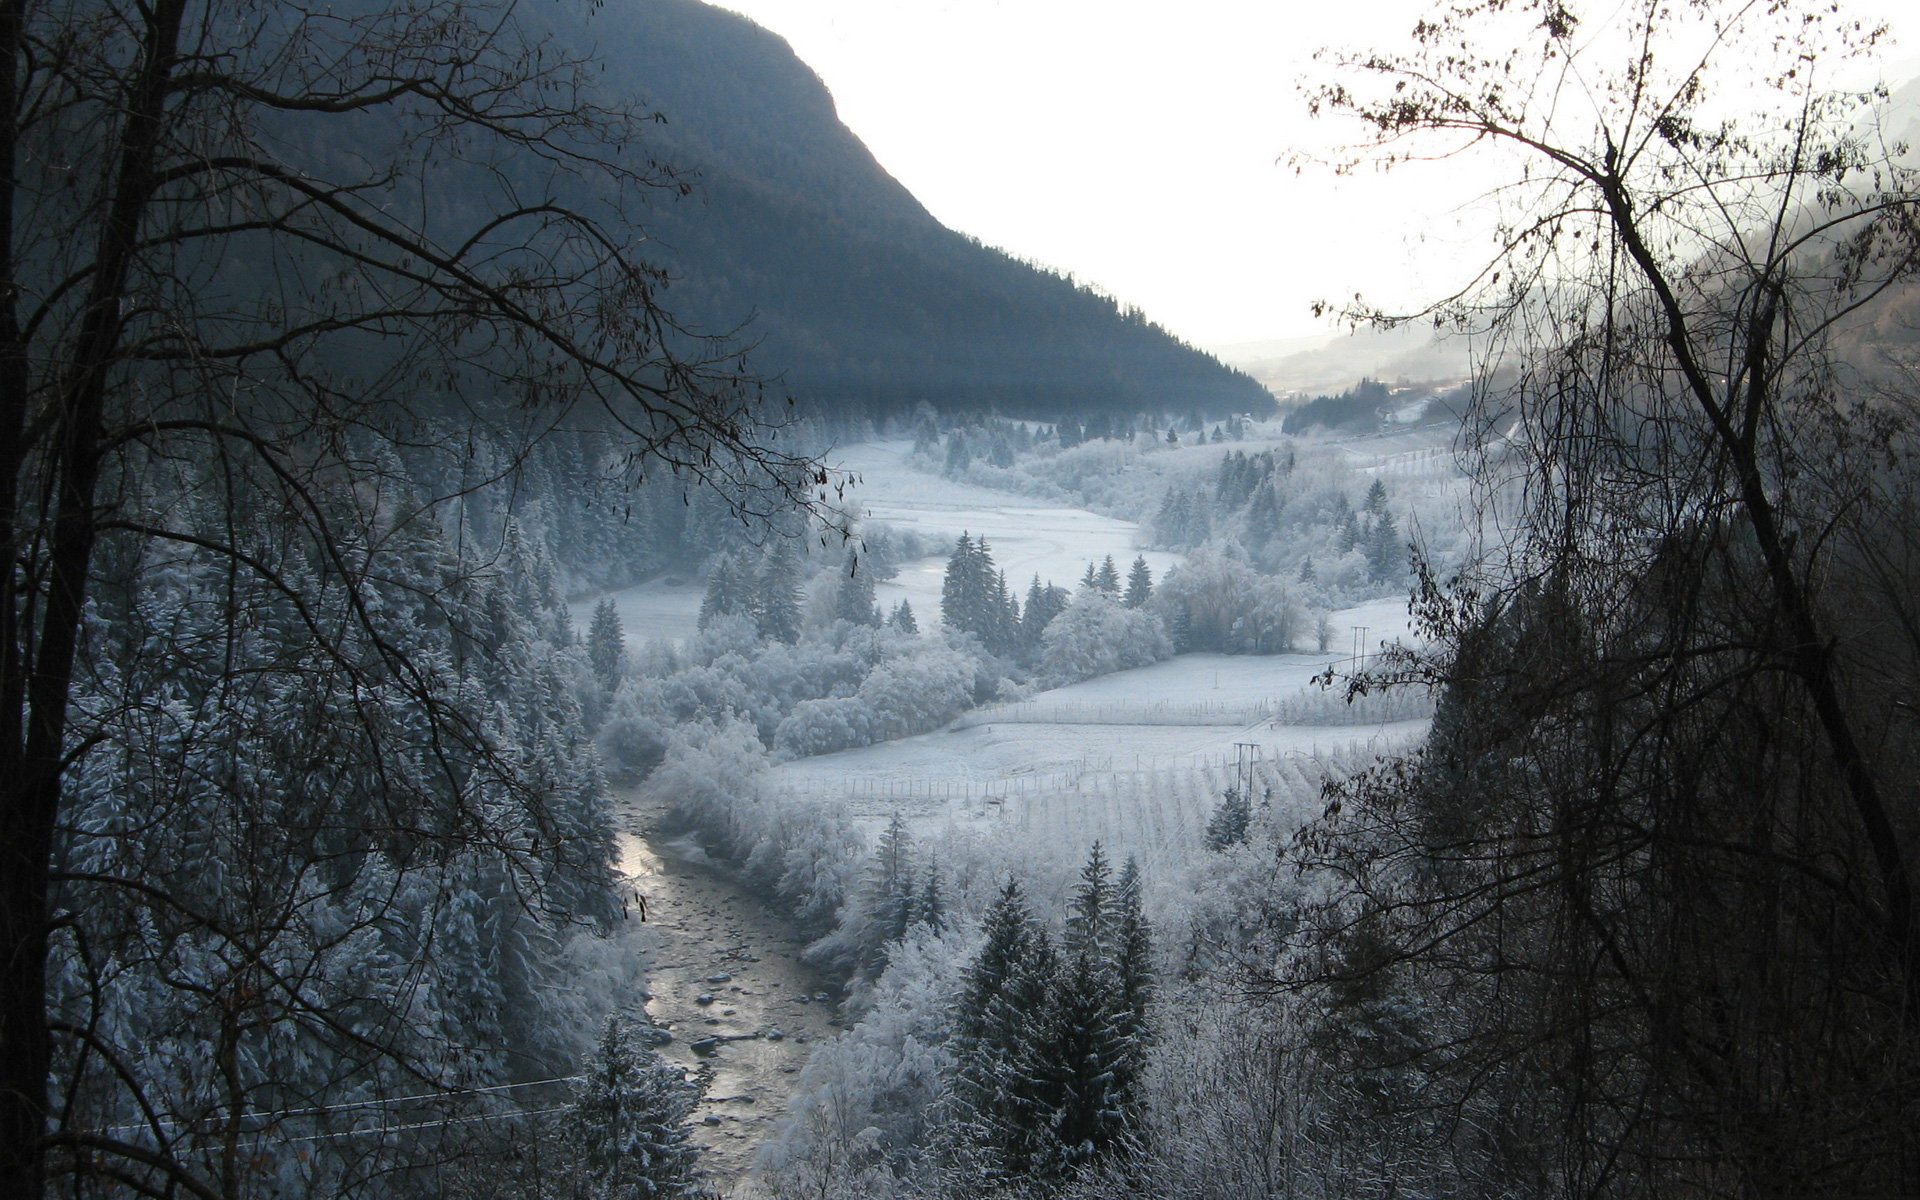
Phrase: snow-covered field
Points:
(1137, 759)
(1026, 537)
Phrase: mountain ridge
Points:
(861, 301)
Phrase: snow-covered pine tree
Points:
(930, 902)
(777, 607)
(1139, 583)
(1386, 557)
(889, 897)
(960, 596)
(1133, 963)
(853, 602)
(606, 644)
(902, 619)
(1004, 1097)
(1044, 603)
(1107, 578)
(729, 590)
(630, 1126)
(1230, 820)
(1087, 1057)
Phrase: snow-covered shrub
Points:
(708, 773)
(1216, 602)
(1097, 636)
(823, 726)
(865, 1101)
(915, 693)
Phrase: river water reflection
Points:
(725, 967)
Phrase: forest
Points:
(320, 726)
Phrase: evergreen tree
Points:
(1005, 1098)
(777, 613)
(902, 619)
(959, 458)
(930, 903)
(853, 602)
(960, 597)
(1133, 961)
(606, 645)
(1349, 530)
(1044, 603)
(1139, 583)
(1230, 821)
(1003, 630)
(974, 597)
(1386, 557)
(630, 1124)
(728, 591)
(1092, 1054)
(1107, 579)
(1376, 501)
(890, 899)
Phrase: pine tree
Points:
(974, 597)
(1003, 630)
(889, 893)
(1376, 501)
(1089, 1053)
(1133, 965)
(959, 601)
(1139, 583)
(902, 619)
(629, 1127)
(1006, 1100)
(606, 645)
(1108, 577)
(853, 602)
(930, 903)
(728, 593)
(777, 612)
(1386, 557)
(1044, 603)
(1230, 821)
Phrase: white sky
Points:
(1133, 143)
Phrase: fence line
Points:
(1118, 712)
(1310, 707)
(1092, 777)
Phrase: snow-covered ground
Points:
(654, 610)
(1026, 537)
(1132, 759)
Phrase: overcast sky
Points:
(1134, 144)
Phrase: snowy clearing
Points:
(1026, 537)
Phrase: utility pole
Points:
(1249, 754)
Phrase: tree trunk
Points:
(37, 710)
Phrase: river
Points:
(717, 940)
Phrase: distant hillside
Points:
(860, 300)
(1340, 361)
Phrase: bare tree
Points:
(1654, 873)
(245, 245)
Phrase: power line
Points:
(344, 1106)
